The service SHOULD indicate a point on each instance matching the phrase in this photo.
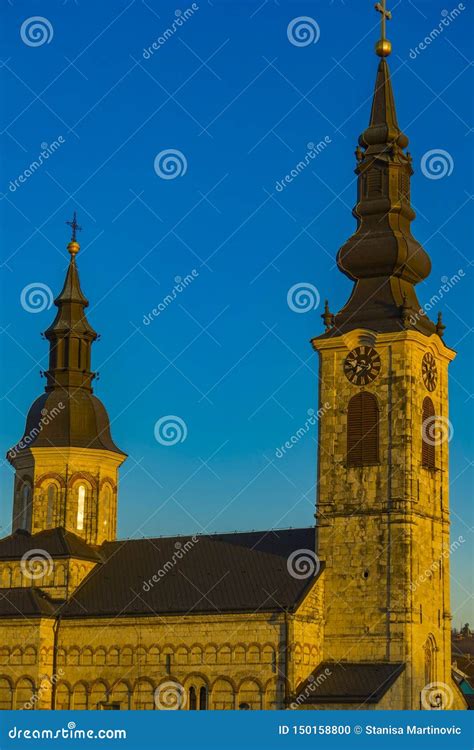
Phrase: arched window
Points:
(51, 497)
(192, 699)
(81, 504)
(362, 430)
(203, 699)
(428, 427)
(430, 659)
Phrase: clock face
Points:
(362, 365)
(429, 371)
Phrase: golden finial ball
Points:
(383, 48)
(73, 247)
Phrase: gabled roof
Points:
(56, 542)
(26, 602)
(241, 572)
(348, 682)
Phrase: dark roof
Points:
(66, 417)
(469, 700)
(348, 682)
(56, 542)
(465, 664)
(219, 573)
(26, 602)
(462, 646)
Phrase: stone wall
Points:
(382, 526)
(144, 662)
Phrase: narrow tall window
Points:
(362, 430)
(81, 502)
(107, 505)
(192, 699)
(25, 501)
(51, 505)
(203, 699)
(428, 427)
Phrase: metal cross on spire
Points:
(383, 47)
(74, 226)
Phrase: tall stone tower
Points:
(66, 464)
(383, 484)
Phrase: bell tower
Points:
(383, 474)
(66, 464)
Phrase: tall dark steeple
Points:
(66, 464)
(383, 481)
(382, 257)
(81, 419)
(70, 335)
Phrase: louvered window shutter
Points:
(362, 430)
(427, 445)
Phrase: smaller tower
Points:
(66, 464)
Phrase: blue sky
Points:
(228, 356)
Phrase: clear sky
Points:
(229, 357)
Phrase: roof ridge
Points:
(212, 534)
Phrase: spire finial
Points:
(440, 327)
(74, 246)
(327, 316)
(383, 47)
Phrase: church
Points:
(325, 617)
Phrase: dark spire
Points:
(383, 258)
(70, 335)
(69, 413)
